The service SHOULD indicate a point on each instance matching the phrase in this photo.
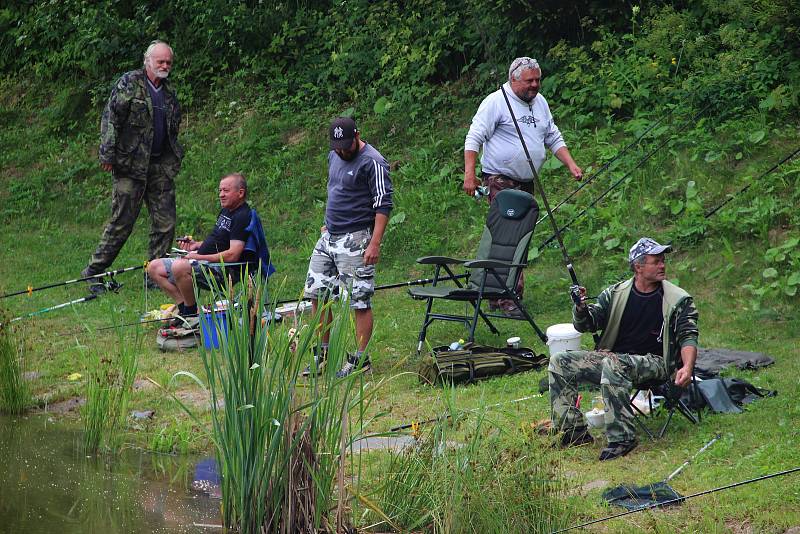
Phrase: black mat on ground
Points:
(711, 361)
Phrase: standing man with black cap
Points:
(139, 147)
(356, 215)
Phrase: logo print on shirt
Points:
(338, 133)
(528, 119)
(350, 173)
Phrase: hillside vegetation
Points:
(672, 109)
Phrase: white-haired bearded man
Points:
(504, 164)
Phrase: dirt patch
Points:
(141, 384)
(295, 138)
(739, 527)
(65, 406)
(593, 485)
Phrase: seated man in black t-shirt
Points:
(649, 333)
(225, 244)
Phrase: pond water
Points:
(48, 485)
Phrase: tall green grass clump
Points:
(109, 385)
(485, 479)
(15, 394)
(281, 440)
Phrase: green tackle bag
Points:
(476, 362)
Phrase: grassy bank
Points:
(738, 264)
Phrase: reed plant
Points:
(109, 383)
(482, 478)
(281, 440)
(15, 395)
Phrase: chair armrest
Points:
(439, 260)
(491, 264)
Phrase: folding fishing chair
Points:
(673, 401)
(502, 255)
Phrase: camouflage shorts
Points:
(337, 263)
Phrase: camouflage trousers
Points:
(158, 193)
(615, 373)
(337, 263)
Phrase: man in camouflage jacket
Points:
(139, 146)
(649, 333)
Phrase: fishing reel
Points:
(575, 294)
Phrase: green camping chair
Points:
(502, 254)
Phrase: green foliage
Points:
(781, 278)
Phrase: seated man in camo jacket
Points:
(649, 333)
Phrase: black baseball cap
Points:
(343, 131)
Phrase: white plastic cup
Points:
(513, 342)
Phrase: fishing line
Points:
(538, 184)
(557, 234)
(681, 499)
(605, 167)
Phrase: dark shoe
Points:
(352, 365)
(317, 364)
(575, 437)
(149, 283)
(617, 449)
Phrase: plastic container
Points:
(596, 418)
(562, 337)
(209, 332)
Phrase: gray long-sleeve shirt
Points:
(357, 190)
(493, 129)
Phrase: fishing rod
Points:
(557, 234)
(605, 167)
(419, 282)
(680, 499)
(567, 260)
(51, 308)
(31, 289)
(745, 188)
(449, 415)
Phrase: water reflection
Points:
(48, 485)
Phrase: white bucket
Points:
(561, 337)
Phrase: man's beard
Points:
(161, 74)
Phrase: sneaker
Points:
(351, 366)
(575, 437)
(191, 323)
(617, 449)
(318, 363)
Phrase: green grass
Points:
(15, 395)
(60, 200)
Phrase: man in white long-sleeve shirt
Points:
(503, 163)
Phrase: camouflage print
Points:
(126, 126)
(158, 192)
(338, 260)
(615, 373)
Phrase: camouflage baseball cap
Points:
(646, 246)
